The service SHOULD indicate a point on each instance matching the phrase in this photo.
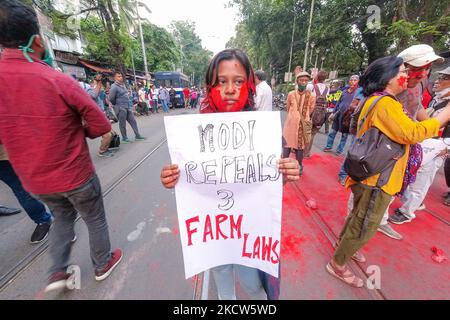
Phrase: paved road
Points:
(142, 221)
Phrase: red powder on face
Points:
(417, 74)
(402, 81)
(223, 106)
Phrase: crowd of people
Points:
(387, 96)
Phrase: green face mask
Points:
(301, 87)
(25, 49)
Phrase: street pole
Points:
(292, 40)
(182, 55)
(308, 34)
(134, 70)
(147, 75)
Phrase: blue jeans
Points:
(341, 145)
(35, 209)
(249, 279)
(342, 173)
(164, 105)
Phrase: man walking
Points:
(96, 92)
(46, 144)
(119, 97)
(164, 97)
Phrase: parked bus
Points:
(174, 79)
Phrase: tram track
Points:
(24, 263)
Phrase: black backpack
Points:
(115, 141)
(373, 153)
(319, 114)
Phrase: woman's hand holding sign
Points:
(170, 175)
(289, 168)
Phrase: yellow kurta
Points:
(388, 116)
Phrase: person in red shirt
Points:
(45, 138)
(186, 93)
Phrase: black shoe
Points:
(4, 211)
(398, 217)
(40, 233)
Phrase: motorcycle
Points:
(279, 102)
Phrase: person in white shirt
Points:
(263, 99)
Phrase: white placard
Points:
(229, 192)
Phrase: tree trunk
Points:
(401, 10)
(116, 47)
(375, 42)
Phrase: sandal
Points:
(357, 256)
(345, 275)
(447, 201)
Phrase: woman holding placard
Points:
(231, 88)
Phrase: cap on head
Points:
(419, 55)
(445, 71)
(354, 77)
(303, 74)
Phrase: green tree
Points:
(161, 49)
(339, 31)
(194, 58)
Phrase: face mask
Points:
(48, 58)
(25, 49)
(301, 87)
(222, 106)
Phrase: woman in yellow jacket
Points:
(385, 76)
